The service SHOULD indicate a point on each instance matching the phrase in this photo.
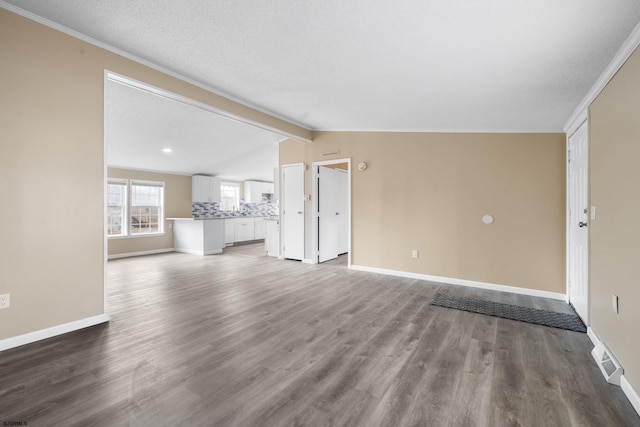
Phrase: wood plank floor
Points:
(246, 340)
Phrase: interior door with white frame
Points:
(328, 213)
(292, 215)
(578, 222)
(343, 210)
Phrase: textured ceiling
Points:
(140, 124)
(508, 65)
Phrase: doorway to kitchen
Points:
(332, 210)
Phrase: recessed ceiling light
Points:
(167, 150)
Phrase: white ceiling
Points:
(419, 65)
(139, 124)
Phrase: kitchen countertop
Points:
(267, 218)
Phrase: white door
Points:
(578, 222)
(343, 209)
(293, 211)
(328, 213)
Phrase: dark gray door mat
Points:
(507, 311)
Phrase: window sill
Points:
(135, 236)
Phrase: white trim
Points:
(308, 261)
(592, 336)
(442, 130)
(141, 253)
(105, 182)
(53, 331)
(462, 282)
(314, 197)
(149, 170)
(46, 22)
(575, 125)
(135, 236)
(627, 48)
(194, 252)
(631, 393)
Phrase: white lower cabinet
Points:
(229, 231)
(259, 228)
(272, 239)
(243, 229)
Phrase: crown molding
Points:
(443, 130)
(580, 114)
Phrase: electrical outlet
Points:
(614, 300)
(415, 253)
(4, 301)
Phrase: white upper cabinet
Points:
(205, 189)
(253, 191)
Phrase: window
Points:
(229, 196)
(116, 202)
(134, 208)
(146, 207)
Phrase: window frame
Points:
(128, 208)
(124, 224)
(237, 199)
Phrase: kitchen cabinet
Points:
(259, 228)
(198, 236)
(244, 229)
(272, 238)
(205, 189)
(253, 190)
(229, 231)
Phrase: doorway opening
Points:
(332, 211)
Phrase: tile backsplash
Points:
(211, 210)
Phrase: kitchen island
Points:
(198, 236)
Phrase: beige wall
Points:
(291, 151)
(429, 191)
(177, 204)
(614, 235)
(52, 170)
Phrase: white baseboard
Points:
(307, 261)
(631, 394)
(53, 331)
(592, 336)
(141, 253)
(192, 252)
(463, 282)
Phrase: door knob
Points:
(299, 212)
(582, 224)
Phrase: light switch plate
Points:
(593, 212)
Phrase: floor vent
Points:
(609, 366)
